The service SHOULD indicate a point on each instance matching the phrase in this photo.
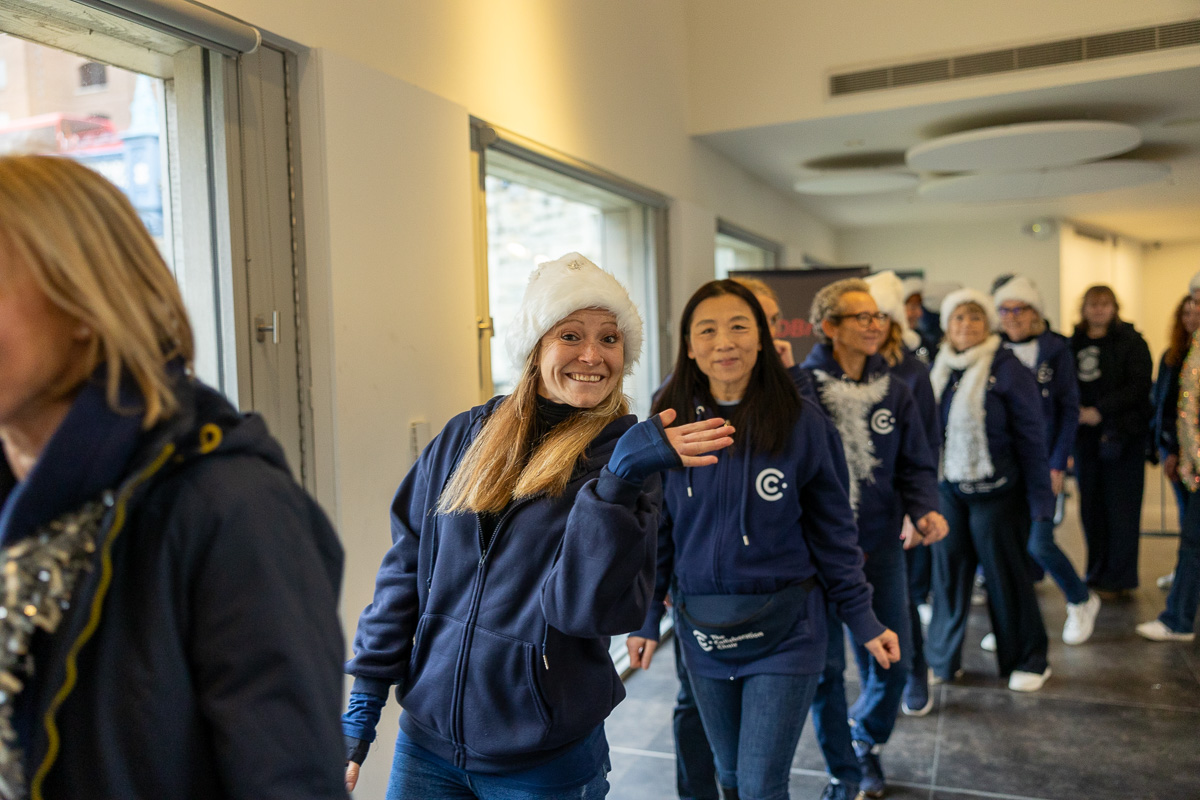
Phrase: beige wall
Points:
(971, 254)
(786, 50)
(1166, 273)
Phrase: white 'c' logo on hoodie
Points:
(769, 484)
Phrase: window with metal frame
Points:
(737, 248)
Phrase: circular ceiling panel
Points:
(987, 187)
(856, 181)
(1028, 145)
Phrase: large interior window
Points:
(536, 213)
(740, 249)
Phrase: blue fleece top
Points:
(915, 374)
(489, 648)
(755, 523)
(904, 479)
(1016, 435)
(1054, 372)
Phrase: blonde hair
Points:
(757, 287)
(504, 463)
(88, 252)
(892, 348)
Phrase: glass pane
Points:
(733, 253)
(53, 102)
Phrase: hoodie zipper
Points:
(457, 734)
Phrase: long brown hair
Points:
(771, 405)
(1178, 338)
(1094, 293)
(90, 254)
(504, 463)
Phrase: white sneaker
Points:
(988, 643)
(1020, 681)
(934, 680)
(925, 612)
(1155, 631)
(1165, 581)
(1081, 620)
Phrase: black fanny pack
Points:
(741, 627)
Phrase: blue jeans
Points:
(753, 724)
(1052, 559)
(873, 715)
(415, 778)
(1182, 602)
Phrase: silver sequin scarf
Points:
(849, 405)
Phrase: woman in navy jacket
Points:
(995, 478)
(523, 538)
(1048, 356)
(893, 474)
(170, 610)
(769, 526)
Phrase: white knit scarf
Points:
(849, 405)
(965, 456)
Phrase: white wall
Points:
(787, 49)
(970, 254)
(1166, 272)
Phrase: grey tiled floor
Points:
(1119, 719)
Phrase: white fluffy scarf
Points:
(849, 405)
(965, 456)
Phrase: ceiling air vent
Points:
(1046, 54)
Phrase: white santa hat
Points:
(961, 297)
(888, 292)
(1022, 290)
(557, 288)
(1194, 283)
(913, 286)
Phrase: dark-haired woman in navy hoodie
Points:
(764, 538)
(523, 538)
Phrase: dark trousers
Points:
(695, 771)
(989, 531)
(920, 571)
(1110, 507)
(1184, 598)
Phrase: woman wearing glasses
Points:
(892, 473)
(995, 478)
(1047, 355)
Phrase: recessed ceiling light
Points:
(856, 181)
(1028, 145)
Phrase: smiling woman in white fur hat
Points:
(1048, 357)
(524, 537)
(995, 478)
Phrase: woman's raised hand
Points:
(697, 441)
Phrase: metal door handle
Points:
(261, 328)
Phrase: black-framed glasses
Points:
(864, 318)
(1013, 311)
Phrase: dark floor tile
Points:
(1037, 746)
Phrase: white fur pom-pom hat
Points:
(887, 290)
(1022, 290)
(962, 296)
(557, 288)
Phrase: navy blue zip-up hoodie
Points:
(904, 480)
(501, 658)
(1054, 372)
(755, 523)
(1016, 436)
(915, 374)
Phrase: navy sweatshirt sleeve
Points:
(662, 580)
(1027, 430)
(915, 477)
(833, 538)
(604, 579)
(922, 392)
(1166, 406)
(1064, 392)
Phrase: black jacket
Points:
(201, 656)
(1116, 369)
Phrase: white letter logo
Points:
(702, 640)
(882, 422)
(769, 484)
